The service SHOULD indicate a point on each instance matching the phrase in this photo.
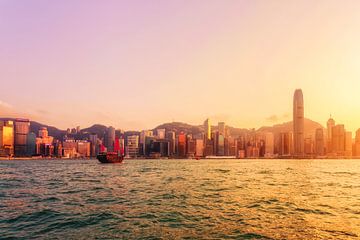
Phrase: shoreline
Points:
(208, 158)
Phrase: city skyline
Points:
(135, 65)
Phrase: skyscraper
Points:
(110, 139)
(207, 128)
(357, 143)
(338, 140)
(298, 122)
(330, 125)
(222, 128)
(22, 129)
(319, 142)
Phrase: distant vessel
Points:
(110, 157)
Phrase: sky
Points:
(137, 64)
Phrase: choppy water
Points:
(180, 199)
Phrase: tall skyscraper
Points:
(22, 129)
(330, 125)
(222, 128)
(160, 133)
(348, 144)
(110, 139)
(6, 138)
(338, 140)
(170, 136)
(298, 122)
(269, 145)
(207, 127)
(357, 143)
(319, 142)
(181, 145)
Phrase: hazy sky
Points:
(136, 64)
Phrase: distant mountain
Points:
(309, 128)
(180, 127)
(100, 130)
(96, 128)
(35, 127)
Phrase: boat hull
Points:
(110, 158)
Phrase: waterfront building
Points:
(357, 143)
(209, 148)
(330, 124)
(94, 144)
(21, 131)
(31, 144)
(308, 146)
(149, 140)
(181, 145)
(160, 133)
(160, 147)
(220, 144)
(132, 146)
(298, 123)
(142, 140)
(170, 136)
(207, 128)
(222, 128)
(269, 145)
(348, 144)
(190, 146)
(199, 152)
(83, 148)
(286, 143)
(338, 140)
(110, 139)
(6, 138)
(319, 142)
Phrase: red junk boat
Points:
(110, 157)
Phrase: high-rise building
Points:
(132, 146)
(286, 143)
(110, 139)
(298, 122)
(160, 133)
(348, 144)
(142, 140)
(170, 136)
(199, 148)
(181, 145)
(308, 146)
(31, 144)
(207, 127)
(22, 129)
(319, 142)
(6, 138)
(269, 145)
(220, 145)
(94, 145)
(222, 128)
(338, 140)
(190, 146)
(330, 124)
(357, 143)
(43, 132)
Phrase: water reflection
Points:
(267, 199)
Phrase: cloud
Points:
(276, 118)
(272, 119)
(5, 104)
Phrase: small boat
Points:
(110, 157)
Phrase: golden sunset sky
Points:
(137, 64)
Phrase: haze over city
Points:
(135, 65)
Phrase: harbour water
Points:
(180, 199)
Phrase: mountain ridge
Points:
(309, 128)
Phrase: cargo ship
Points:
(110, 157)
